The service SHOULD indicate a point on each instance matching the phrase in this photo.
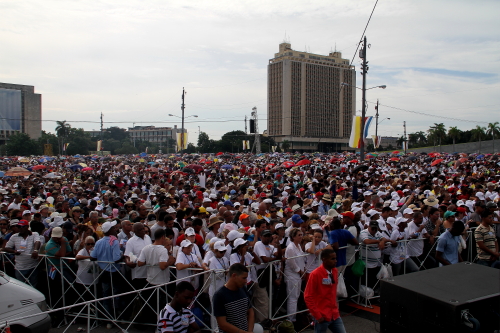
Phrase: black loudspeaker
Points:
(252, 126)
(457, 298)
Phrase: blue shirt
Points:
(105, 252)
(448, 245)
(343, 237)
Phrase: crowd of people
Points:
(138, 221)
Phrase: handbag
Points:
(358, 268)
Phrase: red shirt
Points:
(321, 299)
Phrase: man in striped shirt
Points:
(231, 303)
(372, 242)
(176, 317)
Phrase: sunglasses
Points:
(272, 211)
(89, 243)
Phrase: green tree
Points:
(48, 138)
(400, 141)
(285, 145)
(454, 133)
(478, 134)
(116, 133)
(493, 130)
(438, 132)
(203, 143)
(62, 131)
(21, 144)
(79, 142)
(421, 138)
(126, 149)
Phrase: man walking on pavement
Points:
(321, 295)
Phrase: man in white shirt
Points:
(266, 252)
(132, 251)
(416, 233)
(158, 259)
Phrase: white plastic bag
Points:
(365, 291)
(389, 271)
(341, 289)
(382, 274)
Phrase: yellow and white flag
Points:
(182, 145)
(246, 144)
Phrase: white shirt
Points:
(135, 246)
(415, 247)
(25, 247)
(152, 255)
(312, 260)
(221, 276)
(294, 265)
(262, 250)
(236, 258)
(184, 273)
(86, 269)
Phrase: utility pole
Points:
(101, 126)
(256, 143)
(362, 54)
(376, 127)
(182, 129)
(133, 127)
(405, 146)
(246, 124)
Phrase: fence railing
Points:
(69, 299)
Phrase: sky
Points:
(130, 60)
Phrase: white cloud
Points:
(130, 59)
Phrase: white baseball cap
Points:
(106, 226)
(220, 246)
(239, 241)
(186, 243)
(190, 232)
(233, 234)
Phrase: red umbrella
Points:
(197, 168)
(333, 160)
(219, 153)
(87, 169)
(435, 162)
(270, 166)
(434, 154)
(208, 161)
(178, 172)
(353, 161)
(39, 167)
(396, 152)
(394, 159)
(463, 159)
(303, 162)
(203, 160)
(287, 164)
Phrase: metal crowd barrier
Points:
(72, 302)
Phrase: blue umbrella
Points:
(151, 163)
(143, 154)
(227, 166)
(1, 173)
(75, 167)
(479, 157)
(77, 155)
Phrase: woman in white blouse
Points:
(219, 264)
(185, 262)
(294, 270)
(241, 255)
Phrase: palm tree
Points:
(62, 131)
(421, 138)
(439, 132)
(432, 136)
(478, 134)
(493, 129)
(454, 133)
